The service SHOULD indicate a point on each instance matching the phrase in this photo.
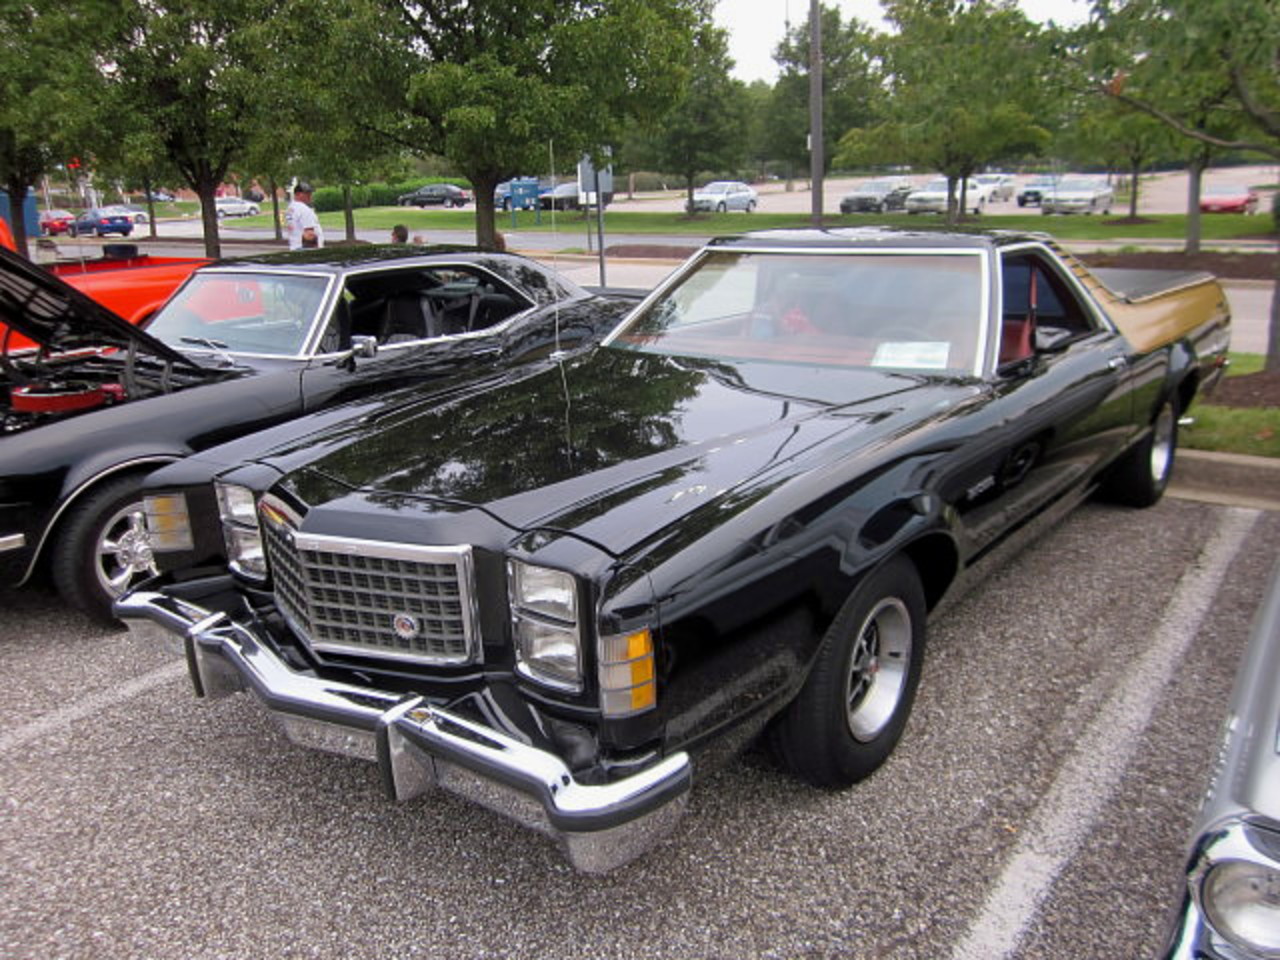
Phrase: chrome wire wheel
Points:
(879, 666)
(122, 553)
(1162, 443)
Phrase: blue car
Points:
(100, 221)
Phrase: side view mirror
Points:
(1051, 339)
(364, 347)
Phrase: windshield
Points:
(936, 186)
(915, 312)
(1227, 189)
(258, 313)
(1076, 186)
(716, 188)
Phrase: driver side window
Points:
(1035, 296)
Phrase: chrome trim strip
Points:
(14, 541)
(601, 826)
(71, 497)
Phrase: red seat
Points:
(1015, 340)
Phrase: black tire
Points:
(1141, 476)
(102, 547)
(855, 702)
(721, 208)
(751, 206)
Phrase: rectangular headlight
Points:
(236, 503)
(244, 551)
(238, 508)
(545, 592)
(168, 522)
(548, 653)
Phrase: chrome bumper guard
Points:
(418, 746)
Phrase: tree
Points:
(504, 84)
(45, 67)
(966, 83)
(704, 131)
(850, 84)
(196, 74)
(1113, 134)
(1233, 45)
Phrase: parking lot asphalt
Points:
(1037, 808)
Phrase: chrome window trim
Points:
(14, 541)
(982, 252)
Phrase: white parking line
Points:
(57, 721)
(1091, 773)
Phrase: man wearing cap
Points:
(300, 221)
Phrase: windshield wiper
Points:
(217, 346)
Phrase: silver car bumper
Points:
(418, 746)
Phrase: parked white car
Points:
(1000, 186)
(932, 197)
(720, 196)
(1077, 195)
(235, 207)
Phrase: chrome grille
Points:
(373, 599)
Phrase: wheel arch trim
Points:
(78, 493)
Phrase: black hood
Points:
(635, 438)
(43, 308)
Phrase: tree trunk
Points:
(486, 229)
(205, 190)
(1135, 169)
(16, 187)
(276, 219)
(1195, 172)
(1273, 328)
(951, 201)
(688, 195)
(348, 213)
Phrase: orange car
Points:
(132, 287)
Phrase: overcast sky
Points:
(756, 26)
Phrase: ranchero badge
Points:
(405, 626)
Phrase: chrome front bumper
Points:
(418, 746)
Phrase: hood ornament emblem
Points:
(405, 626)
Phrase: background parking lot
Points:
(1037, 807)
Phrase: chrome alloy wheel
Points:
(878, 668)
(122, 551)
(1162, 434)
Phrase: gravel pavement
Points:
(1037, 808)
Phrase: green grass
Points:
(1160, 226)
(1252, 431)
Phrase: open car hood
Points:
(53, 314)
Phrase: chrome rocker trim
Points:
(418, 746)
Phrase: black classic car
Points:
(1230, 903)
(877, 196)
(100, 403)
(558, 592)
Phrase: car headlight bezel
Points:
(545, 625)
(241, 531)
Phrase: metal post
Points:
(599, 220)
(815, 110)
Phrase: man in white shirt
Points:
(300, 222)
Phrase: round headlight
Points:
(1242, 901)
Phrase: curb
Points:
(1226, 478)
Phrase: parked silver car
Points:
(1231, 904)
(1077, 195)
(235, 207)
(1000, 186)
(722, 195)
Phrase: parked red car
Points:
(1228, 198)
(55, 221)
